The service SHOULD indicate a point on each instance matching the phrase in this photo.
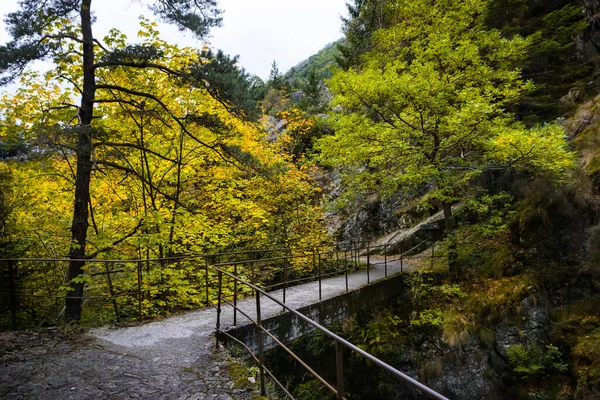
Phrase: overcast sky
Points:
(260, 31)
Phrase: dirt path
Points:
(173, 358)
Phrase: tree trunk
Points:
(80, 222)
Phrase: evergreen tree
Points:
(229, 83)
(275, 77)
(312, 88)
(365, 17)
(560, 71)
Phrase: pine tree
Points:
(312, 88)
(560, 71)
(275, 77)
(365, 17)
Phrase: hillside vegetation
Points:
(321, 63)
(485, 111)
(490, 106)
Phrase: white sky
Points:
(260, 31)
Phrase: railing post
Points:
(252, 268)
(220, 291)
(401, 260)
(314, 262)
(206, 280)
(346, 267)
(235, 294)
(139, 286)
(339, 363)
(259, 334)
(368, 264)
(320, 277)
(385, 258)
(285, 277)
(107, 268)
(13, 299)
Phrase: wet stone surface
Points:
(48, 365)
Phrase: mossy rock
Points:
(239, 375)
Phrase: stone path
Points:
(173, 358)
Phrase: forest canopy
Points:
(164, 155)
(428, 105)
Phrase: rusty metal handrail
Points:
(339, 343)
(350, 257)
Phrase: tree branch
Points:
(101, 45)
(161, 104)
(135, 146)
(63, 36)
(134, 64)
(134, 172)
(180, 74)
(217, 147)
(66, 78)
(116, 242)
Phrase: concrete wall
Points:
(287, 327)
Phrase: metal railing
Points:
(129, 284)
(340, 344)
(264, 270)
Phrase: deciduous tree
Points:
(427, 107)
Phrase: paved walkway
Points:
(173, 358)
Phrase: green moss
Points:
(487, 337)
(313, 390)
(576, 319)
(586, 355)
(491, 300)
(588, 143)
(239, 374)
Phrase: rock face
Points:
(472, 368)
(589, 44)
(469, 376)
(369, 217)
(369, 220)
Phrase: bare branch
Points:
(101, 45)
(217, 147)
(171, 71)
(66, 78)
(134, 64)
(63, 36)
(159, 102)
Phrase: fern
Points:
(517, 355)
(534, 361)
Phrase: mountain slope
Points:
(323, 63)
